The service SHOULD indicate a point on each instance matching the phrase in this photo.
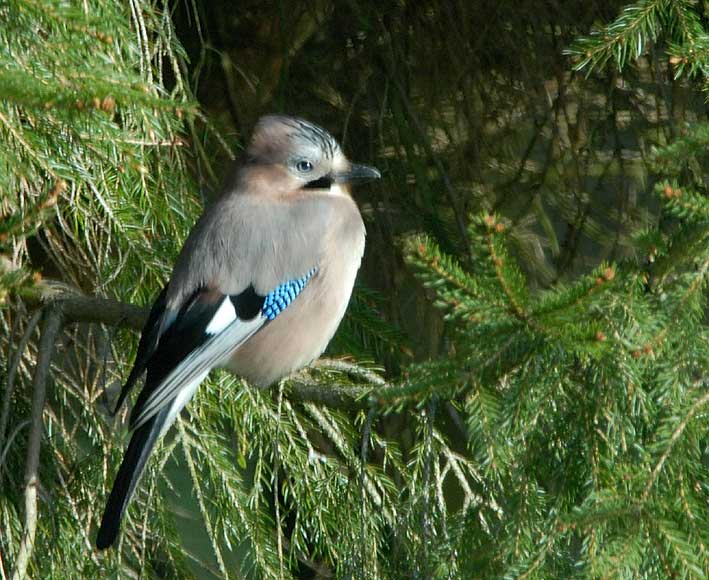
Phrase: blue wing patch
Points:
(207, 328)
(279, 298)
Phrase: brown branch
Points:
(11, 374)
(103, 311)
(302, 388)
(51, 325)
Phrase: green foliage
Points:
(95, 189)
(546, 410)
(576, 400)
(93, 142)
(678, 23)
(586, 402)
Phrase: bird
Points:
(259, 286)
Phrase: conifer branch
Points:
(302, 387)
(516, 307)
(197, 483)
(625, 37)
(696, 284)
(50, 330)
(676, 434)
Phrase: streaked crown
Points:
(311, 155)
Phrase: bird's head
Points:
(303, 155)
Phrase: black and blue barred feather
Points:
(279, 299)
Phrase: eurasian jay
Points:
(259, 287)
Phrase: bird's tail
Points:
(136, 456)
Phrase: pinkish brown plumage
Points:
(286, 234)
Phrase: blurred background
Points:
(519, 387)
(465, 107)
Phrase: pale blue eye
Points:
(304, 166)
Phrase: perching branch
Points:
(102, 310)
(11, 375)
(302, 388)
(351, 369)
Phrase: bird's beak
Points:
(356, 174)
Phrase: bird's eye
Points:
(304, 166)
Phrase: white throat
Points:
(336, 189)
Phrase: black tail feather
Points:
(132, 467)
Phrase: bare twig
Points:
(102, 310)
(10, 439)
(12, 373)
(50, 328)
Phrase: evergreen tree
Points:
(560, 430)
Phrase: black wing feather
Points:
(149, 339)
(168, 337)
(186, 333)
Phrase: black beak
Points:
(357, 174)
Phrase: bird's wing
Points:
(205, 330)
(208, 327)
(158, 320)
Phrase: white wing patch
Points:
(223, 317)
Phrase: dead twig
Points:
(51, 325)
(12, 373)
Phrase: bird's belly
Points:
(300, 333)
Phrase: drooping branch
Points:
(50, 329)
(11, 376)
(72, 309)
